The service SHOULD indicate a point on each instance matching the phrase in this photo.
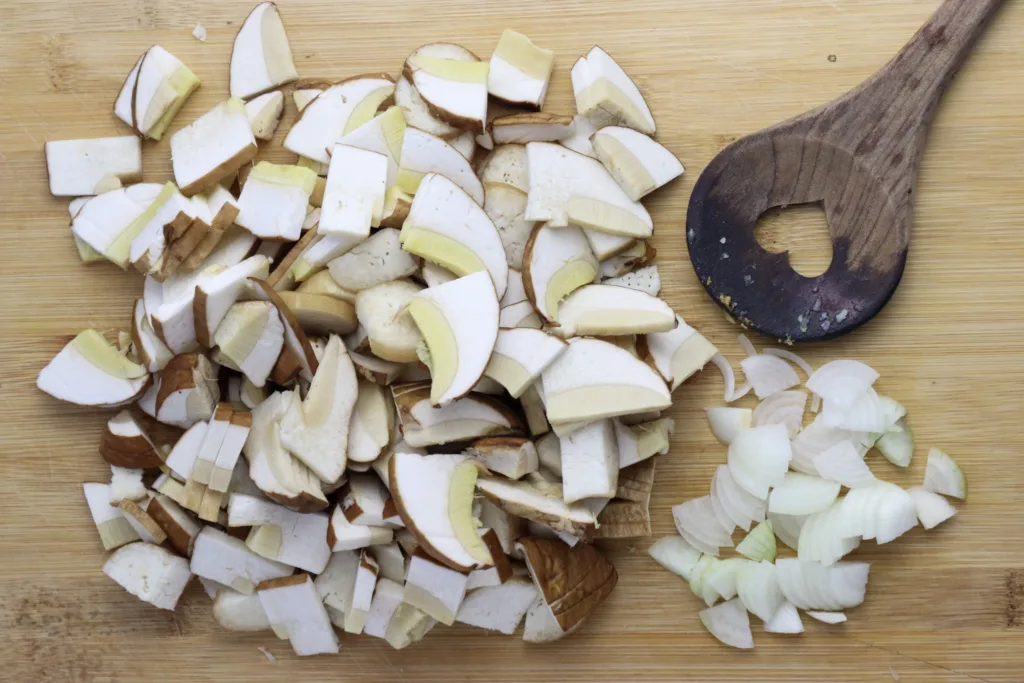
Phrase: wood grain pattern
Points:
(942, 607)
(857, 158)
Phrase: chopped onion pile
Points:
(809, 487)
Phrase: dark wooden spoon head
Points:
(857, 157)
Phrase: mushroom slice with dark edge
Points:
(572, 581)
(261, 58)
(295, 612)
(124, 443)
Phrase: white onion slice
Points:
(746, 345)
(843, 464)
(727, 375)
(708, 593)
(741, 508)
(741, 391)
(883, 512)
(815, 403)
(787, 528)
(811, 585)
(676, 555)
(718, 504)
(759, 458)
(827, 617)
(769, 375)
(803, 494)
(867, 414)
(822, 538)
(726, 422)
(943, 475)
(932, 509)
(786, 620)
(816, 438)
(721, 576)
(796, 360)
(897, 444)
(696, 521)
(784, 408)
(758, 589)
(729, 623)
(759, 544)
(842, 382)
(697, 576)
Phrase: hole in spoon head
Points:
(802, 230)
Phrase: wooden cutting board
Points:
(942, 606)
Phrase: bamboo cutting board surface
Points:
(942, 606)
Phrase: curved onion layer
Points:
(736, 506)
(867, 414)
(811, 585)
(729, 623)
(758, 589)
(822, 538)
(842, 382)
(759, 544)
(897, 444)
(796, 360)
(726, 422)
(676, 555)
(720, 576)
(759, 458)
(696, 521)
(747, 346)
(816, 438)
(705, 563)
(786, 621)
(769, 375)
(787, 528)
(943, 475)
(802, 494)
(883, 512)
(784, 408)
(844, 464)
(827, 617)
(731, 394)
(932, 509)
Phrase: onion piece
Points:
(741, 391)
(759, 458)
(897, 444)
(727, 375)
(822, 538)
(759, 544)
(867, 414)
(827, 617)
(676, 555)
(746, 345)
(943, 475)
(729, 623)
(708, 593)
(784, 408)
(769, 375)
(796, 360)
(843, 464)
(811, 585)
(726, 422)
(803, 494)
(734, 502)
(697, 576)
(787, 528)
(758, 589)
(786, 620)
(932, 509)
(696, 521)
(842, 382)
(721, 576)
(816, 438)
(883, 512)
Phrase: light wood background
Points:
(946, 606)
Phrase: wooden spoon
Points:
(858, 157)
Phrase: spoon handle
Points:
(919, 74)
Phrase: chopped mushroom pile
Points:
(786, 478)
(414, 385)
